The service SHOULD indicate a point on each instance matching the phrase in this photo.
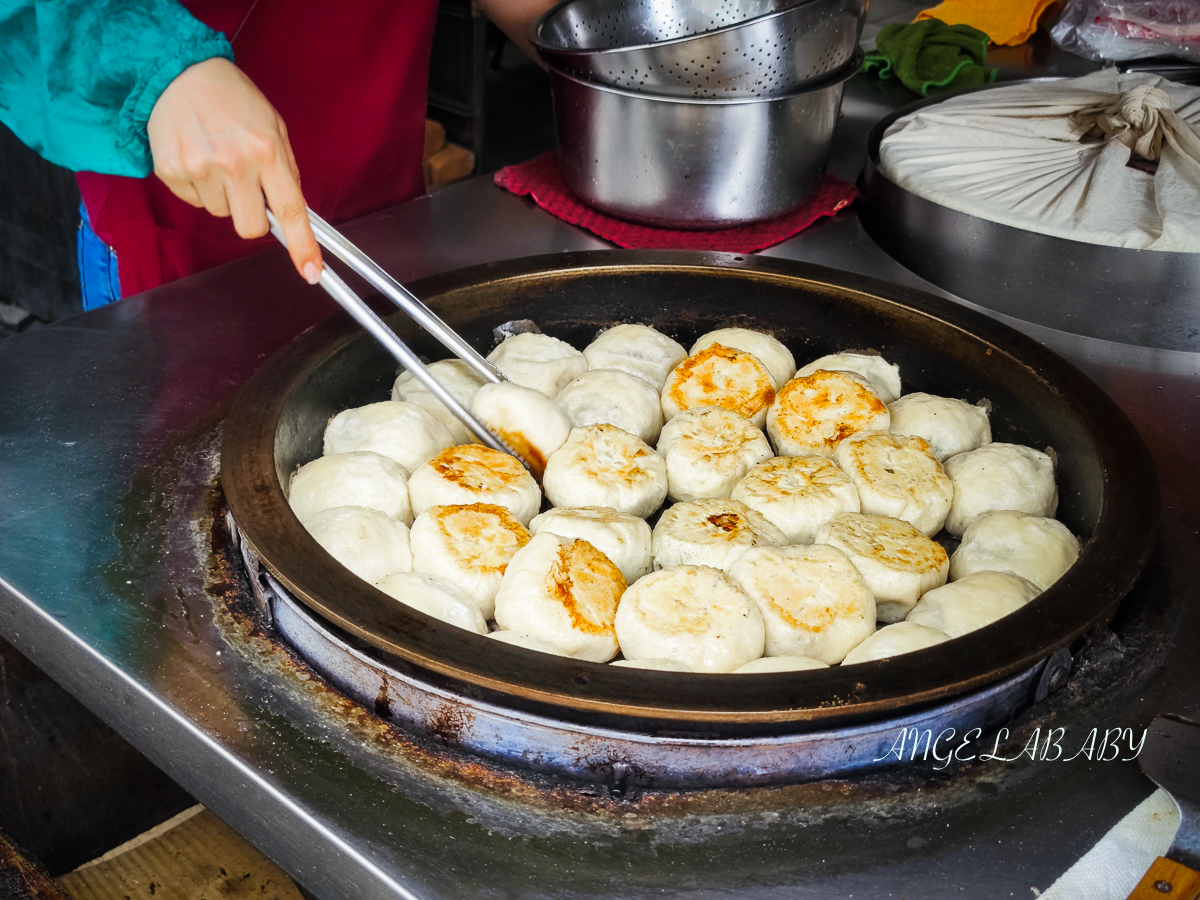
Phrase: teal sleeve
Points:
(78, 78)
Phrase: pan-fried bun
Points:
(613, 397)
(365, 541)
(950, 426)
(893, 640)
(400, 431)
(622, 537)
(814, 413)
(601, 465)
(657, 665)
(898, 562)
(472, 473)
(361, 478)
(1033, 547)
(538, 361)
(973, 601)
(797, 494)
(528, 421)
(884, 377)
(459, 379)
(528, 642)
(707, 451)
(897, 477)
(779, 664)
(469, 546)
(770, 352)
(710, 533)
(720, 376)
(435, 597)
(565, 592)
(637, 349)
(813, 601)
(693, 614)
(1000, 476)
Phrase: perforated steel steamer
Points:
(701, 49)
(694, 163)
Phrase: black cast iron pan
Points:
(1106, 480)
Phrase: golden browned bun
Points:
(720, 376)
(815, 413)
(472, 473)
(469, 546)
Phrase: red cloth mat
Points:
(541, 179)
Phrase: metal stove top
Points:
(115, 580)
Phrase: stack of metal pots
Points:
(698, 114)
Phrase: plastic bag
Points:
(1129, 29)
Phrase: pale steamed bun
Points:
(893, 640)
(435, 597)
(400, 431)
(528, 642)
(459, 380)
(779, 664)
(528, 421)
(975, 600)
(538, 361)
(657, 665)
(613, 397)
(898, 562)
(1033, 547)
(365, 541)
(361, 478)
(950, 426)
(638, 350)
(1000, 476)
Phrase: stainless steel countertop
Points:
(108, 430)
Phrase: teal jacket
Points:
(78, 78)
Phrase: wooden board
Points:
(194, 856)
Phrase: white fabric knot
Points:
(1135, 118)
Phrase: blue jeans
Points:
(98, 279)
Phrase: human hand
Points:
(218, 144)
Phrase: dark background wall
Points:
(39, 206)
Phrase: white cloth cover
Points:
(1014, 155)
(1111, 869)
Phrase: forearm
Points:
(79, 78)
(515, 18)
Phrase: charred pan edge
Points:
(1088, 595)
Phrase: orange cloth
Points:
(1006, 22)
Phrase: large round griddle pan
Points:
(1106, 480)
(1056, 282)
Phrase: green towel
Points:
(930, 55)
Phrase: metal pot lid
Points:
(1107, 485)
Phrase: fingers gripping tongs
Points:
(337, 244)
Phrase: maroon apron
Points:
(348, 79)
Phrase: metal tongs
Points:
(337, 244)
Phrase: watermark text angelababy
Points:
(1100, 745)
